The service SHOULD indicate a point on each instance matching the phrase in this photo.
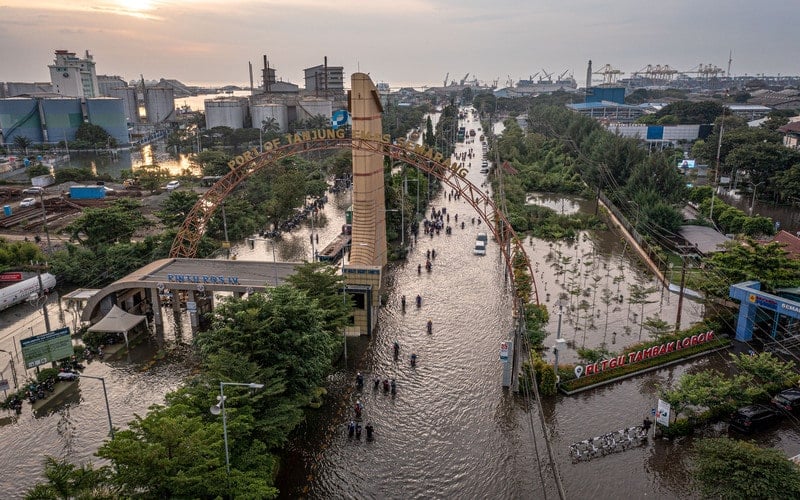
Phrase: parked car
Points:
(753, 418)
(37, 190)
(787, 400)
(27, 202)
(173, 185)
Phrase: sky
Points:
(401, 42)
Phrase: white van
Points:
(480, 247)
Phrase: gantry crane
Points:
(609, 73)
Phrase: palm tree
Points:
(270, 125)
(23, 143)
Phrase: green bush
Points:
(46, 374)
(678, 428)
(545, 375)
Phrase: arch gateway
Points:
(368, 255)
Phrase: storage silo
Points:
(225, 112)
(62, 117)
(109, 113)
(266, 111)
(128, 96)
(19, 117)
(310, 107)
(160, 104)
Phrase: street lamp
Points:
(105, 395)
(220, 408)
(753, 200)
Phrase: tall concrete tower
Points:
(368, 245)
(369, 217)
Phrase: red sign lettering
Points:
(6, 277)
(650, 352)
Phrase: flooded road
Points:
(75, 428)
(451, 431)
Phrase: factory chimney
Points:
(589, 76)
(250, 68)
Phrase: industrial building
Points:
(241, 112)
(146, 105)
(106, 82)
(662, 135)
(55, 119)
(324, 80)
(73, 76)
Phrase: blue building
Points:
(55, 119)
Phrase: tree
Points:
(430, 138)
(66, 481)
(212, 162)
(767, 263)
(321, 282)
(176, 207)
(94, 136)
(102, 226)
(687, 112)
(152, 177)
(772, 373)
(283, 329)
(14, 254)
(176, 451)
(656, 327)
(710, 389)
(726, 468)
(23, 143)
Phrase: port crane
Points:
(706, 71)
(464, 79)
(609, 73)
(562, 74)
(445, 79)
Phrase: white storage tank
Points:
(225, 112)
(160, 104)
(266, 111)
(309, 107)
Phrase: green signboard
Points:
(47, 347)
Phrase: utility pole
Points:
(44, 221)
(680, 295)
(41, 294)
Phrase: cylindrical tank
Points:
(128, 96)
(225, 112)
(109, 113)
(310, 107)
(266, 111)
(62, 117)
(19, 117)
(160, 104)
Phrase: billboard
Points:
(686, 164)
(47, 347)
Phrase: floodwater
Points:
(77, 427)
(132, 159)
(451, 431)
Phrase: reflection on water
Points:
(114, 164)
(563, 205)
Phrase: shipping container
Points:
(87, 192)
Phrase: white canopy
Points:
(117, 320)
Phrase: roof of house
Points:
(791, 127)
(704, 239)
(790, 242)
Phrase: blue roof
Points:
(602, 104)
